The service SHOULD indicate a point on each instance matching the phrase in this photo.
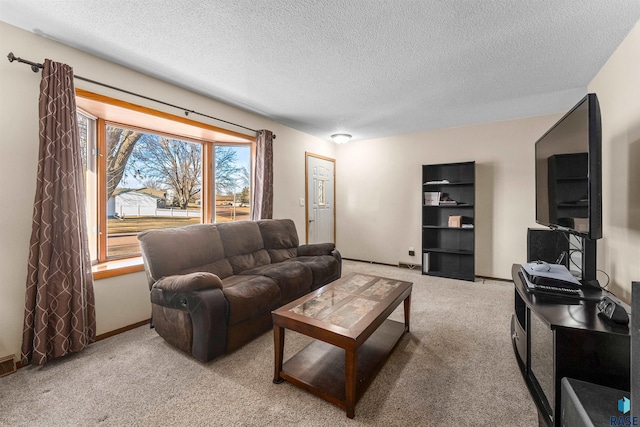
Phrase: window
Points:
(152, 181)
(146, 169)
(232, 178)
(321, 195)
(87, 138)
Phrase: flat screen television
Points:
(569, 172)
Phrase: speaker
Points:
(546, 245)
(635, 348)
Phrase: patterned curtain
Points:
(262, 197)
(59, 304)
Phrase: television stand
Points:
(555, 337)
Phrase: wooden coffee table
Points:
(348, 319)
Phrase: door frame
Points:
(308, 154)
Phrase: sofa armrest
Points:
(189, 282)
(336, 254)
(316, 249)
(199, 294)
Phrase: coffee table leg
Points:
(350, 369)
(278, 346)
(407, 312)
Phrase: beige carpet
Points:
(455, 368)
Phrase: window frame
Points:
(111, 111)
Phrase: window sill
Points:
(117, 268)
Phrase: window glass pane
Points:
(232, 183)
(153, 182)
(321, 195)
(87, 139)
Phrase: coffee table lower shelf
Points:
(320, 367)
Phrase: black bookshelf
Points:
(448, 220)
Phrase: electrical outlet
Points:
(411, 251)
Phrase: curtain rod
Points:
(36, 67)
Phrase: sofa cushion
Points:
(325, 268)
(243, 245)
(293, 278)
(250, 296)
(280, 238)
(279, 255)
(173, 251)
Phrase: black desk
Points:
(556, 337)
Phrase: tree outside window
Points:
(232, 183)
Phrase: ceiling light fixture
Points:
(340, 138)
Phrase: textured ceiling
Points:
(371, 68)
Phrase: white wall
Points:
(379, 210)
(618, 88)
(123, 300)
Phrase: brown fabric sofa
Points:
(213, 286)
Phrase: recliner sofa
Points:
(213, 286)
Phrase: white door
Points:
(320, 199)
